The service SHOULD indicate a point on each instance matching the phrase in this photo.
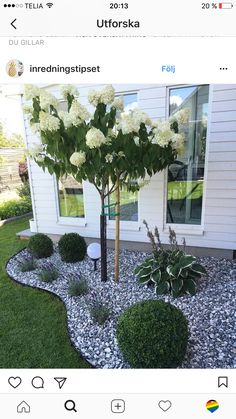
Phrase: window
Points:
(130, 101)
(71, 200)
(186, 174)
(128, 205)
(128, 200)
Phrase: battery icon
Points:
(225, 5)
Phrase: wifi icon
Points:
(49, 5)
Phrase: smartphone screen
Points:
(117, 209)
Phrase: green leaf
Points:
(144, 280)
(190, 286)
(177, 284)
(144, 272)
(174, 270)
(186, 261)
(196, 267)
(162, 288)
(156, 276)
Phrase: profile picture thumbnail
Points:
(15, 68)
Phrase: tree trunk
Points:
(103, 238)
(117, 240)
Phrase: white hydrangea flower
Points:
(107, 94)
(27, 109)
(48, 122)
(78, 158)
(78, 113)
(121, 154)
(34, 151)
(142, 183)
(46, 99)
(128, 124)
(136, 140)
(69, 89)
(35, 127)
(66, 119)
(162, 134)
(118, 104)
(40, 158)
(109, 158)
(95, 138)
(131, 121)
(182, 116)
(141, 117)
(31, 91)
(177, 143)
(94, 97)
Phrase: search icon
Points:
(70, 406)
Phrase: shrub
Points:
(14, 208)
(40, 245)
(99, 313)
(49, 273)
(153, 334)
(171, 270)
(78, 287)
(27, 264)
(24, 190)
(72, 247)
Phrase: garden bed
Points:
(211, 313)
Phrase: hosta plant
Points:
(170, 270)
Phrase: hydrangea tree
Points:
(107, 147)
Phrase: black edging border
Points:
(58, 298)
(16, 218)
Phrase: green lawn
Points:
(33, 331)
(179, 189)
(71, 205)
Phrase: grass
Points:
(179, 189)
(128, 206)
(33, 331)
(71, 205)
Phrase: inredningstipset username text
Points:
(62, 69)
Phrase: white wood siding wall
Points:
(219, 213)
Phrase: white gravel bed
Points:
(211, 313)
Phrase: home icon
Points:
(23, 407)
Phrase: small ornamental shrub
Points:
(100, 313)
(78, 287)
(49, 273)
(72, 247)
(170, 270)
(24, 190)
(27, 264)
(153, 334)
(41, 246)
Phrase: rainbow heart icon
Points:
(212, 406)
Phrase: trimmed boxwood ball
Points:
(153, 334)
(40, 246)
(72, 247)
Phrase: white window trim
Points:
(189, 229)
(68, 221)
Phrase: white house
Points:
(196, 196)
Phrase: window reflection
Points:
(128, 200)
(71, 200)
(186, 174)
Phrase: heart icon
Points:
(15, 381)
(164, 405)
